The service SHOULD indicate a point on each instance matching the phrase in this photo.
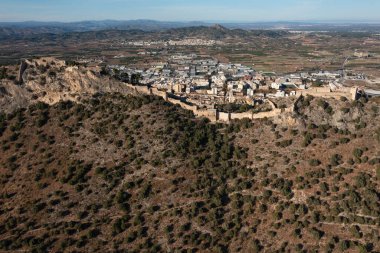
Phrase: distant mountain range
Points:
(213, 32)
(33, 27)
(84, 26)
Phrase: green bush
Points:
(308, 138)
(336, 160)
(3, 73)
(314, 162)
(358, 152)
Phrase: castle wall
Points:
(269, 114)
(223, 116)
(214, 115)
(183, 105)
(242, 115)
(319, 89)
(207, 113)
(159, 93)
(349, 93)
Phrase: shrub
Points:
(285, 143)
(121, 198)
(120, 225)
(329, 110)
(314, 162)
(146, 190)
(335, 160)
(355, 231)
(254, 141)
(344, 140)
(344, 245)
(93, 233)
(256, 246)
(317, 234)
(361, 125)
(308, 138)
(324, 187)
(358, 152)
(3, 73)
(52, 73)
(323, 104)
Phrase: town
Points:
(209, 85)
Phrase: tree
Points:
(3, 73)
(124, 77)
(103, 71)
(135, 78)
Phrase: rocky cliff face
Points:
(50, 80)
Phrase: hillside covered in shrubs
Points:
(121, 173)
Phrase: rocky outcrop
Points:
(22, 68)
(50, 80)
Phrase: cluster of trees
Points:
(134, 78)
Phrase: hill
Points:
(108, 172)
(85, 26)
(217, 32)
(50, 80)
(206, 32)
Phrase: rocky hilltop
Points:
(50, 80)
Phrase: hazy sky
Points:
(190, 10)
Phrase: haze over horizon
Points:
(198, 10)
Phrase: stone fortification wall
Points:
(349, 93)
(290, 109)
(164, 95)
(270, 114)
(336, 95)
(319, 89)
(224, 116)
(207, 113)
(183, 105)
(159, 93)
(250, 115)
(242, 115)
(272, 104)
(140, 89)
(212, 114)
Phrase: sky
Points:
(191, 10)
